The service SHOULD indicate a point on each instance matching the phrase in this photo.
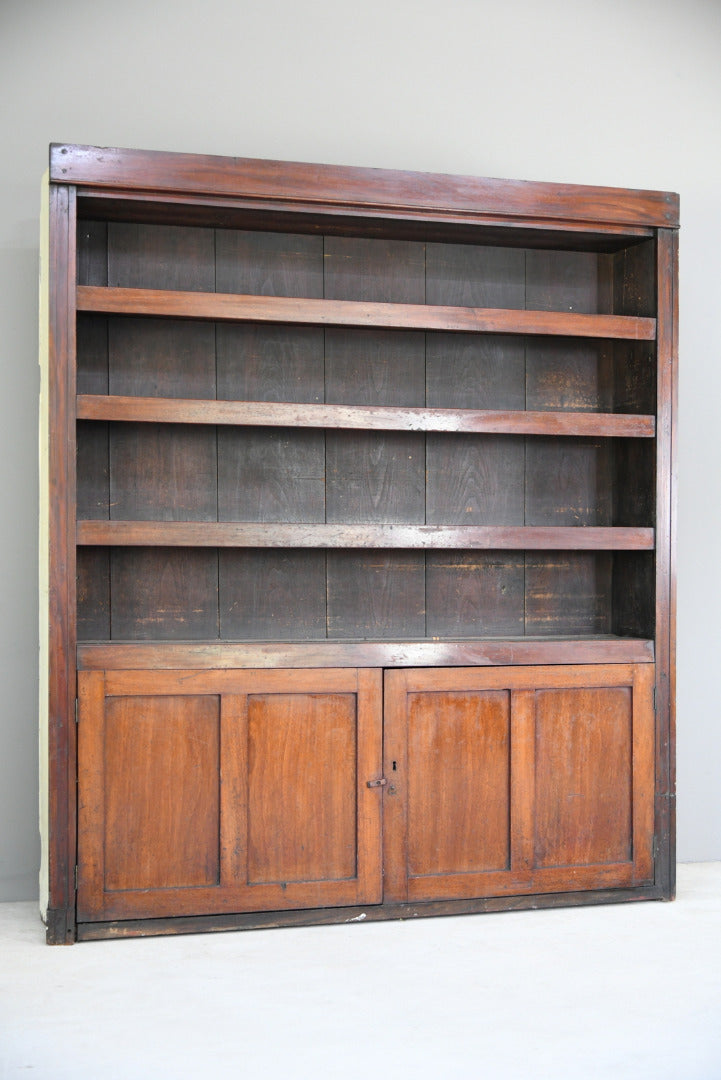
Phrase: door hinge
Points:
(654, 699)
(654, 847)
(75, 878)
(377, 783)
(76, 710)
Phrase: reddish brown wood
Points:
(384, 654)
(61, 575)
(294, 823)
(373, 190)
(232, 534)
(280, 309)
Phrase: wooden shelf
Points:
(375, 418)
(106, 656)
(310, 312)
(281, 535)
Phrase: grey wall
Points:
(616, 92)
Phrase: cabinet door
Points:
(518, 780)
(205, 792)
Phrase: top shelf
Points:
(352, 313)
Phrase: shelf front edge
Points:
(423, 537)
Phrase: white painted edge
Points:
(44, 549)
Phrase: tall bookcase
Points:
(360, 548)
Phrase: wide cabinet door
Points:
(203, 792)
(517, 780)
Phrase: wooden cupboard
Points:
(360, 543)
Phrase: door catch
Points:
(378, 783)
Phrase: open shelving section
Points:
(314, 420)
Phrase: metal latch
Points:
(378, 783)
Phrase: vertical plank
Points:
(388, 271)
(91, 792)
(61, 640)
(92, 354)
(164, 594)
(375, 477)
(92, 253)
(568, 481)
(469, 275)
(92, 470)
(634, 280)
(172, 358)
(374, 367)
(474, 479)
(272, 595)
(93, 594)
(376, 594)
(233, 789)
(161, 257)
(475, 371)
(568, 592)
(271, 474)
(370, 800)
(474, 594)
(667, 391)
(269, 363)
(395, 800)
(523, 781)
(644, 743)
(163, 472)
(563, 281)
(269, 264)
(570, 374)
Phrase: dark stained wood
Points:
(376, 418)
(242, 534)
(376, 594)
(280, 309)
(163, 473)
(480, 653)
(634, 280)
(568, 592)
(160, 257)
(573, 375)
(465, 371)
(374, 368)
(387, 271)
(269, 363)
(634, 594)
(377, 190)
(93, 594)
(478, 277)
(161, 594)
(564, 281)
(272, 595)
(268, 264)
(92, 354)
(93, 470)
(474, 595)
(569, 482)
(92, 252)
(271, 474)
(474, 480)
(166, 358)
(375, 478)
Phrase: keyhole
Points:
(395, 766)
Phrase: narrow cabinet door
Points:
(206, 792)
(518, 780)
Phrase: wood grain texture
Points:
(375, 594)
(387, 271)
(271, 474)
(374, 368)
(279, 309)
(474, 480)
(569, 482)
(462, 275)
(272, 595)
(268, 264)
(269, 363)
(160, 257)
(163, 473)
(572, 374)
(584, 776)
(568, 592)
(375, 478)
(161, 594)
(302, 784)
(474, 595)
(370, 190)
(465, 371)
(376, 418)
(240, 534)
(161, 358)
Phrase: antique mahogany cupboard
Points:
(360, 593)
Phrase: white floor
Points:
(623, 992)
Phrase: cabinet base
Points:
(266, 920)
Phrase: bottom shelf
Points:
(599, 649)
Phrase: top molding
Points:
(368, 191)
